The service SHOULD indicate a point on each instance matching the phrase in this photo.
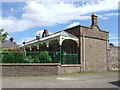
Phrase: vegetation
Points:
(13, 57)
(111, 44)
(43, 57)
(4, 35)
(19, 57)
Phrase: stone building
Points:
(88, 46)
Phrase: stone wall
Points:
(38, 69)
(75, 68)
(114, 59)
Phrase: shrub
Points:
(43, 57)
(27, 60)
(12, 57)
(15, 57)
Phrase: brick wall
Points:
(95, 58)
(94, 49)
(95, 54)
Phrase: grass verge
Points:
(67, 74)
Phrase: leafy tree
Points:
(4, 35)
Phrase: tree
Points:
(3, 36)
(111, 44)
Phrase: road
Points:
(83, 80)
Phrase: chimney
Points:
(15, 43)
(45, 33)
(37, 37)
(11, 39)
(24, 42)
(94, 20)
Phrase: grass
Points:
(100, 72)
(67, 74)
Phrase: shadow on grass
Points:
(117, 83)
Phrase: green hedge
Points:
(15, 57)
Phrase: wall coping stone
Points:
(71, 65)
(30, 64)
(39, 64)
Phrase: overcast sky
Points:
(23, 19)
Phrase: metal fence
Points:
(70, 59)
(57, 57)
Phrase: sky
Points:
(24, 19)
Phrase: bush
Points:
(12, 57)
(15, 57)
(27, 60)
(43, 57)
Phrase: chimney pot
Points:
(93, 13)
(11, 39)
(24, 42)
(37, 37)
(45, 33)
(14, 43)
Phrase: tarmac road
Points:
(83, 80)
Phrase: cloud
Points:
(114, 36)
(46, 0)
(40, 32)
(73, 24)
(112, 14)
(115, 39)
(11, 24)
(116, 42)
(37, 14)
(26, 39)
(106, 16)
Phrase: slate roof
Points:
(66, 34)
(8, 44)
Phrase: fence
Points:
(70, 59)
(30, 57)
(56, 58)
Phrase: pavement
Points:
(81, 80)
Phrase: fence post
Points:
(61, 54)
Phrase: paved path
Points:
(83, 80)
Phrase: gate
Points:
(70, 59)
(64, 58)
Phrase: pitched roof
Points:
(65, 34)
(57, 34)
(8, 44)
